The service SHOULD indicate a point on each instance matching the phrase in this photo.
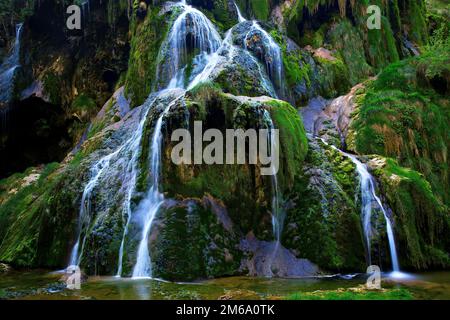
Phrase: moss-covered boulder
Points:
(244, 191)
(404, 114)
(39, 209)
(201, 228)
(421, 219)
(146, 39)
(323, 221)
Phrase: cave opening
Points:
(32, 132)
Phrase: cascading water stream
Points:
(132, 169)
(368, 198)
(208, 41)
(277, 213)
(194, 28)
(240, 17)
(368, 195)
(149, 207)
(271, 56)
(191, 31)
(131, 145)
(277, 218)
(85, 207)
(8, 69)
(213, 60)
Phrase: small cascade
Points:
(240, 17)
(85, 207)
(270, 54)
(277, 215)
(132, 145)
(191, 33)
(369, 198)
(132, 169)
(226, 50)
(8, 69)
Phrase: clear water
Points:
(41, 284)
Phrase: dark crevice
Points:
(35, 133)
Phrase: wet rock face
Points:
(194, 239)
(245, 193)
(331, 119)
(263, 258)
(323, 221)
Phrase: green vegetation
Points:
(356, 294)
(293, 142)
(324, 225)
(146, 40)
(404, 114)
(260, 9)
(421, 217)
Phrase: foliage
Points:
(356, 294)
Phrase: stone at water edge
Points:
(4, 268)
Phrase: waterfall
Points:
(277, 216)
(368, 199)
(85, 207)
(149, 207)
(271, 55)
(8, 69)
(214, 59)
(190, 32)
(132, 169)
(208, 41)
(131, 145)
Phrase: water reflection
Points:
(45, 285)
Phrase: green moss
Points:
(260, 9)
(422, 220)
(20, 216)
(402, 116)
(52, 86)
(295, 68)
(293, 142)
(83, 102)
(324, 224)
(146, 41)
(348, 41)
(192, 227)
(382, 47)
(349, 294)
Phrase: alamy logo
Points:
(374, 21)
(74, 20)
(263, 147)
(73, 281)
(374, 280)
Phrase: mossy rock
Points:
(421, 220)
(201, 228)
